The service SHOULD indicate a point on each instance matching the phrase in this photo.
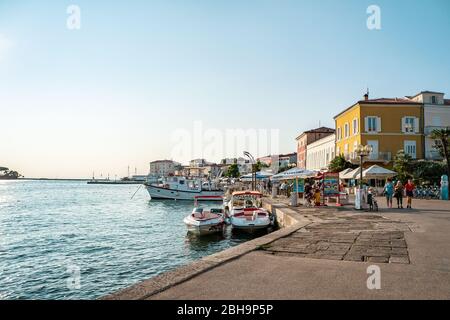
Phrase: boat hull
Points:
(250, 225)
(204, 228)
(161, 193)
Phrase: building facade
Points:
(320, 153)
(307, 138)
(436, 115)
(282, 160)
(163, 168)
(387, 125)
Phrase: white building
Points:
(163, 168)
(436, 116)
(320, 153)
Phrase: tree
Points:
(340, 163)
(428, 172)
(442, 138)
(233, 171)
(403, 166)
(260, 165)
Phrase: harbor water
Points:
(71, 240)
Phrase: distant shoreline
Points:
(50, 179)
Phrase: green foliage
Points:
(340, 163)
(442, 138)
(428, 172)
(233, 171)
(403, 166)
(260, 165)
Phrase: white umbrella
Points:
(294, 173)
(354, 174)
(377, 172)
(344, 172)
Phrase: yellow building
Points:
(387, 125)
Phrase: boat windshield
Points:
(246, 202)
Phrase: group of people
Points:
(398, 191)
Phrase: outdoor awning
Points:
(294, 173)
(261, 175)
(377, 172)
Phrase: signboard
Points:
(300, 187)
(331, 184)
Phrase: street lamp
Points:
(361, 151)
(252, 159)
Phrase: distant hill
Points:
(6, 174)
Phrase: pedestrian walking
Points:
(398, 194)
(409, 187)
(389, 192)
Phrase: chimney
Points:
(366, 96)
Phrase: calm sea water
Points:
(49, 230)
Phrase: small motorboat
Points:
(202, 221)
(246, 212)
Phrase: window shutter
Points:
(366, 124)
(378, 124)
(416, 125)
(403, 125)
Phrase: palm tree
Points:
(442, 138)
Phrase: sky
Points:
(139, 78)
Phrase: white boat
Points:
(202, 221)
(180, 188)
(246, 212)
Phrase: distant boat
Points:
(181, 188)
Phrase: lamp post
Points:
(361, 151)
(252, 159)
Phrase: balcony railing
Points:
(374, 156)
(429, 129)
(433, 155)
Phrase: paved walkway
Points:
(328, 259)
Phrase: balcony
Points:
(373, 157)
(429, 129)
(433, 155)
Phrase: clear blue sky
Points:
(111, 94)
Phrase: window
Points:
(355, 126)
(339, 136)
(410, 148)
(346, 130)
(433, 99)
(410, 124)
(373, 124)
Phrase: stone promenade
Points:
(323, 253)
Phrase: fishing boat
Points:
(181, 188)
(246, 212)
(202, 221)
